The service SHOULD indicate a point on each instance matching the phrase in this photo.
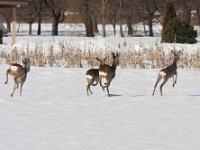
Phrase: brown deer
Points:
(19, 74)
(108, 72)
(92, 75)
(168, 72)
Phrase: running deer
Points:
(168, 72)
(108, 72)
(92, 75)
(19, 74)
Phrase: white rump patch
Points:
(163, 74)
(101, 73)
(14, 68)
(89, 76)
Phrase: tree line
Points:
(93, 12)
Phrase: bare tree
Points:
(112, 17)
(57, 10)
(6, 14)
(107, 11)
(29, 18)
(85, 12)
(120, 17)
(104, 12)
(130, 7)
(147, 11)
(185, 7)
(39, 9)
(151, 8)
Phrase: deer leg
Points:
(14, 88)
(107, 88)
(174, 80)
(7, 76)
(158, 80)
(165, 80)
(100, 82)
(17, 85)
(21, 85)
(88, 87)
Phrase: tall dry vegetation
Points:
(74, 57)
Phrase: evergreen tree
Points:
(169, 14)
(175, 30)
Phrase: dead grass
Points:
(72, 57)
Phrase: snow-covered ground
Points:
(74, 35)
(55, 112)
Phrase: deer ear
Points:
(117, 54)
(104, 59)
(24, 60)
(180, 52)
(113, 54)
(173, 52)
(98, 59)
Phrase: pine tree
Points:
(168, 23)
(175, 30)
(169, 14)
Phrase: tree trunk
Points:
(145, 31)
(30, 28)
(114, 28)
(103, 11)
(8, 22)
(104, 25)
(55, 25)
(150, 26)
(95, 26)
(130, 28)
(121, 29)
(39, 24)
(87, 19)
(113, 21)
(89, 27)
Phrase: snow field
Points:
(56, 113)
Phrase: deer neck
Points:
(114, 66)
(26, 68)
(175, 62)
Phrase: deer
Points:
(92, 75)
(19, 74)
(108, 72)
(168, 72)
